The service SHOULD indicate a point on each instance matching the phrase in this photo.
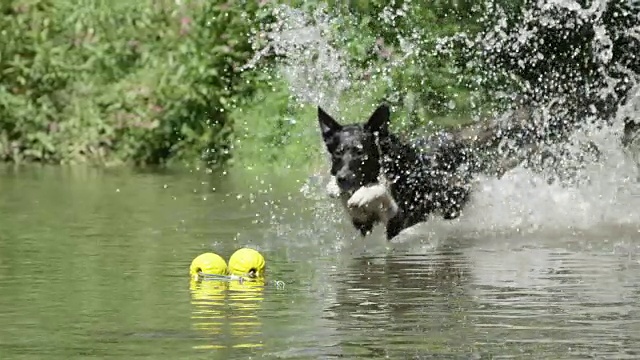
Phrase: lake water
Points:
(94, 264)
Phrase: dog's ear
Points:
(328, 126)
(379, 120)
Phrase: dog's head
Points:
(355, 157)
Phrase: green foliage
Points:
(146, 81)
(156, 81)
(273, 131)
(410, 50)
(429, 87)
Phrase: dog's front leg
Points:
(395, 225)
(391, 208)
(375, 199)
(365, 227)
(366, 195)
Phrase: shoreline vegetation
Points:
(164, 83)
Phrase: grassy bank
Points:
(106, 82)
(273, 130)
(160, 82)
(152, 83)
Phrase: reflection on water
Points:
(106, 275)
(208, 314)
(489, 298)
(226, 313)
(402, 305)
(245, 300)
(582, 300)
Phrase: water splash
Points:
(314, 69)
(575, 190)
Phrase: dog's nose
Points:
(344, 182)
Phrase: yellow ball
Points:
(247, 262)
(208, 263)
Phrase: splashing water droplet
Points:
(564, 183)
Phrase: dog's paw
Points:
(332, 188)
(367, 195)
(392, 209)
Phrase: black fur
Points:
(421, 180)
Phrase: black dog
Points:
(382, 179)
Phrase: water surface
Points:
(94, 263)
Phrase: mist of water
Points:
(586, 191)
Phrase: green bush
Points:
(432, 87)
(410, 51)
(146, 81)
(149, 82)
(273, 131)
